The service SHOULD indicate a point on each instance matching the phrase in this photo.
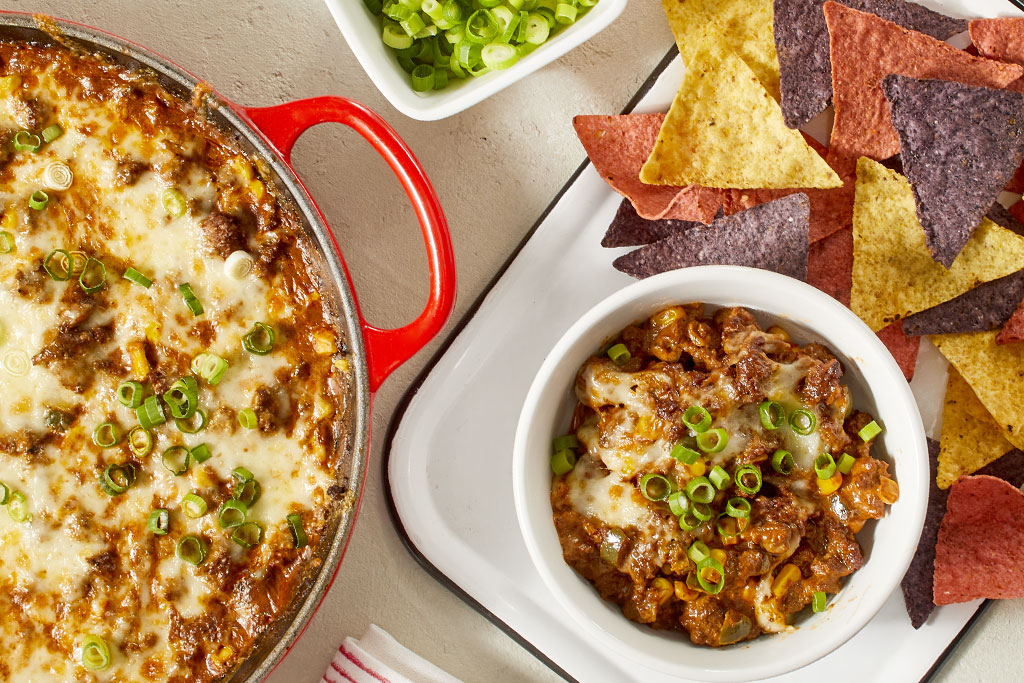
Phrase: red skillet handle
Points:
(386, 349)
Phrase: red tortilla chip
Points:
(830, 265)
(903, 348)
(618, 146)
(1017, 211)
(1013, 330)
(980, 551)
(864, 49)
(1016, 184)
(1001, 39)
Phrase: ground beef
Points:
(128, 171)
(223, 233)
(24, 111)
(70, 353)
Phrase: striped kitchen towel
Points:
(378, 658)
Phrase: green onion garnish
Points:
(138, 278)
(17, 507)
(685, 455)
(25, 141)
(825, 466)
(129, 394)
(95, 653)
(563, 461)
(819, 602)
(5, 493)
(259, 340)
(247, 535)
(193, 424)
(183, 397)
(159, 522)
(174, 202)
(700, 490)
(106, 435)
(697, 551)
(619, 354)
(248, 492)
(242, 475)
(247, 418)
(175, 459)
(565, 13)
(711, 575)
(713, 440)
(140, 441)
(150, 413)
(782, 461)
(422, 78)
(719, 477)
(773, 415)
(702, 511)
(729, 526)
(802, 421)
(748, 478)
(846, 463)
(117, 478)
(869, 431)
(191, 549)
(209, 367)
(697, 418)
(200, 454)
(193, 505)
(52, 132)
(738, 507)
(678, 503)
(655, 486)
(61, 269)
(191, 300)
(298, 533)
(688, 521)
(6, 242)
(93, 276)
(562, 442)
(232, 513)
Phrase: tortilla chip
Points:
(628, 229)
(864, 49)
(830, 265)
(1004, 217)
(917, 583)
(724, 130)
(1013, 330)
(960, 146)
(1017, 211)
(801, 41)
(893, 272)
(903, 348)
(742, 26)
(986, 307)
(1001, 39)
(980, 549)
(771, 236)
(994, 372)
(971, 439)
(618, 146)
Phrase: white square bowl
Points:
(362, 30)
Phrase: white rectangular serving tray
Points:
(449, 450)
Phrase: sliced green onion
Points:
(685, 455)
(248, 492)
(482, 27)
(95, 653)
(869, 431)
(395, 37)
(93, 276)
(655, 486)
(58, 176)
(25, 141)
(117, 478)
(728, 526)
(706, 569)
(150, 413)
(825, 466)
(422, 78)
(183, 397)
(565, 13)
(194, 424)
(191, 300)
(773, 415)
(6, 242)
(5, 493)
(259, 340)
(499, 56)
(738, 507)
(819, 602)
(802, 421)
(174, 202)
(61, 270)
(562, 442)
(138, 278)
(191, 549)
(702, 511)
(688, 521)
(17, 507)
(748, 478)
(713, 440)
(242, 475)
(782, 462)
(678, 503)
(193, 505)
(38, 200)
(563, 461)
(537, 29)
(106, 435)
(719, 477)
(232, 513)
(247, 535)
(298, 532)
(846, 463)
(210, 367)
(52, 132)
(159, 522)
(619, 354)
(175, 459)
(697, 418)
(129, 394)
(697, 551)
(700, 490)
(200, 454)
(238, 264)
(140, 441)
(247, 418)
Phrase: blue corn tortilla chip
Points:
(917, 582)
(801, 43)
(630, 229)
(771, 236)
(1001, 216)
(960, 146)
(986, 307)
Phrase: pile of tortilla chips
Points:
(916, 244)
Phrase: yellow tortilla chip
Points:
(724, 130)
(894, 274)
(743, 26)
(995, 373)
(971, 438)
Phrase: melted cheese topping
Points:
(85, 563)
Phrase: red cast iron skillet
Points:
(268, 133)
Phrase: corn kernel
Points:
(201, 478)
(9, 84)
(889, 491)
(153, 332)
(257, 189)
(10, 219)
(829, 486)
(243, 168)
(663, 588)
(779, 332)
(322, 408)
(698, 468)
(341, 364)
(137, 354)
(786, 577)
(323, 342)
(226, 653)
(667, 317)
(719, 555)
(684, 592)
